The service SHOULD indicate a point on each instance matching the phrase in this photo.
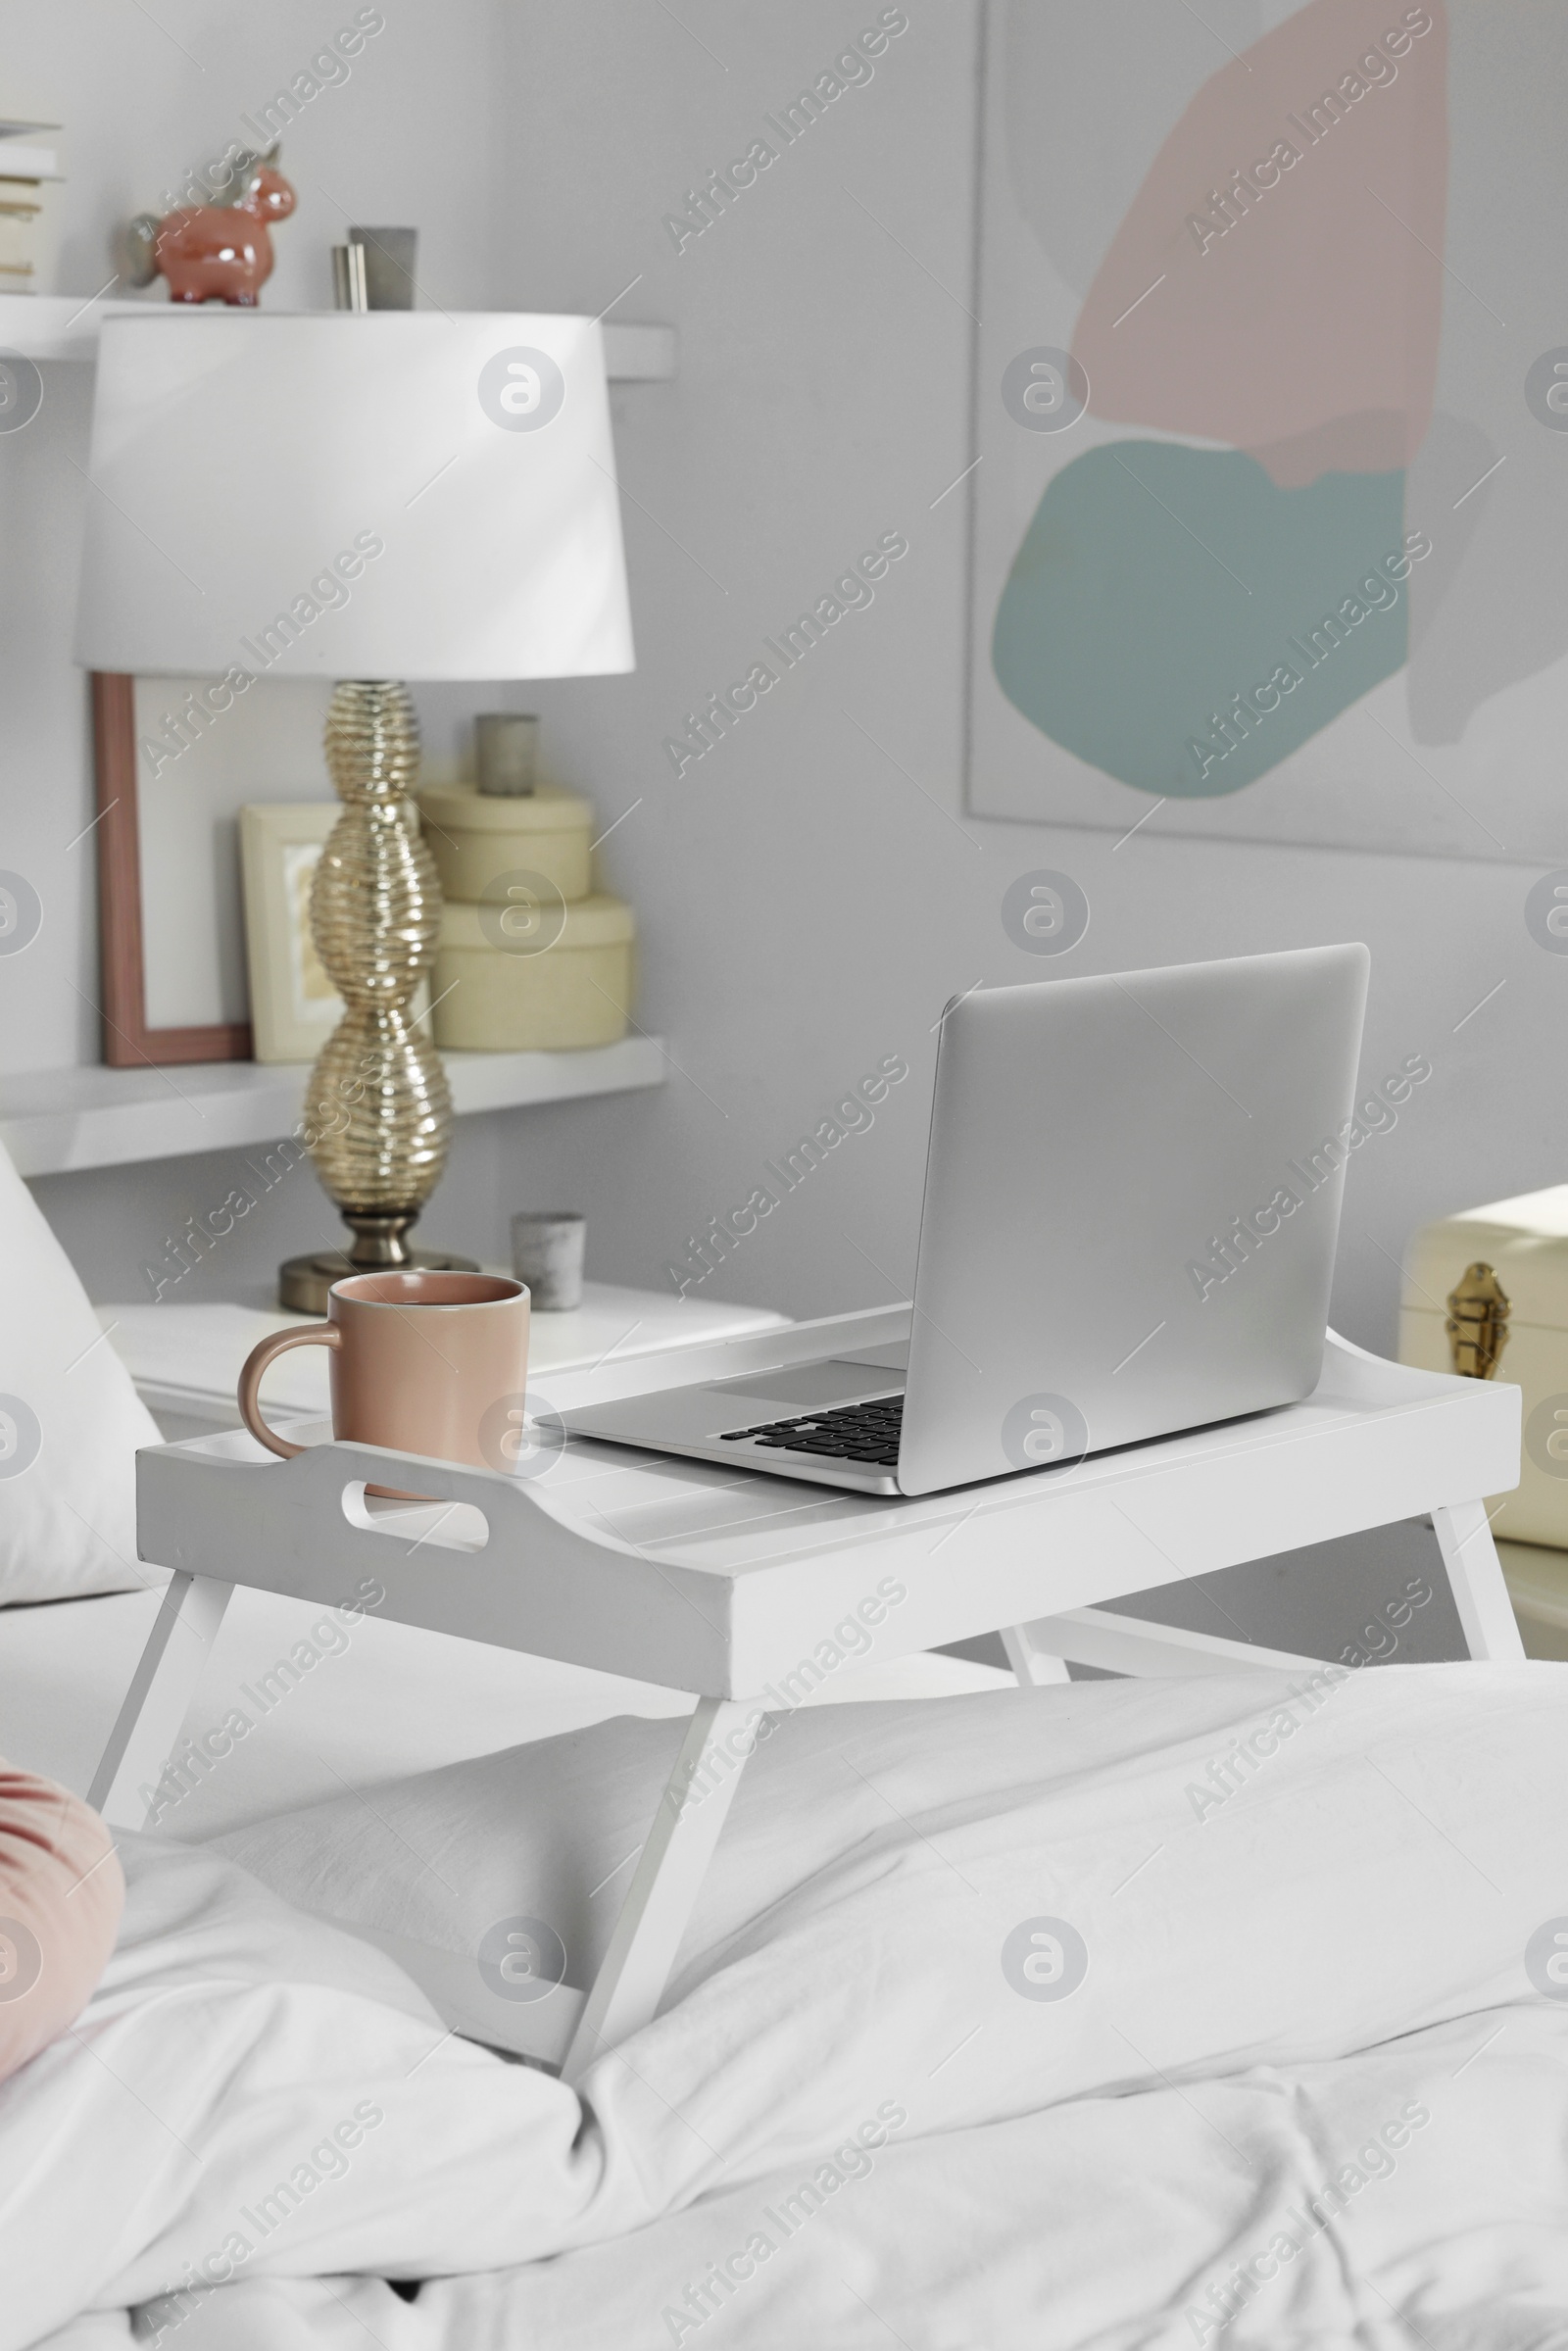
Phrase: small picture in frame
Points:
(294, 1006)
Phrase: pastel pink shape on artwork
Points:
(1277, 281)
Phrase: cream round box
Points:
(474, 837)
(572, 990)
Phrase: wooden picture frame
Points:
(174, 769)
(128, 1042)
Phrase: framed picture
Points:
(294, 1006)
(169, 787)
(1266, 497)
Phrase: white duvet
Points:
(1138, 2014)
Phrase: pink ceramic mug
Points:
(422, 1363)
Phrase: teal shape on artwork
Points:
(1177, 620)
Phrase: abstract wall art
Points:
(1270, 513)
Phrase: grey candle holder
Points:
(547, 1252)
(505, 747)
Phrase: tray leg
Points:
(1475, 1576)
(630, 1983)
(162, 1688)
(1031, 1666)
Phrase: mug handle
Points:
(304, 1334)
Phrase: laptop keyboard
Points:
(851, 1433)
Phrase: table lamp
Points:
(373, 499)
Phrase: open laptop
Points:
(1132, 1198)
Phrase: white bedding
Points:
(1331, 1958)
(1107, 2225)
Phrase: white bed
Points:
(1310, 2089)
(1309, 2086)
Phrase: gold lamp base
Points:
(304, 1282)
(377, 1111)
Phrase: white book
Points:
(27, 163)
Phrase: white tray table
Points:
(720, 1583)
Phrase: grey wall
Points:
(810, 899)
(811, 891)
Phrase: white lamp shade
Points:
(381, 495)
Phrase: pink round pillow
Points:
(61, 1896)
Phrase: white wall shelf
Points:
(58, 1121)
(65, 327)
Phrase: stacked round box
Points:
(530, 956)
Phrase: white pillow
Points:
(249, 2093)
(1252, 1868)
(70, 1422)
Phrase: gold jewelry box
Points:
(1485, 1293)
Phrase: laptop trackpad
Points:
(814, 1386)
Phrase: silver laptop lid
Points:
(1132, 1200)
